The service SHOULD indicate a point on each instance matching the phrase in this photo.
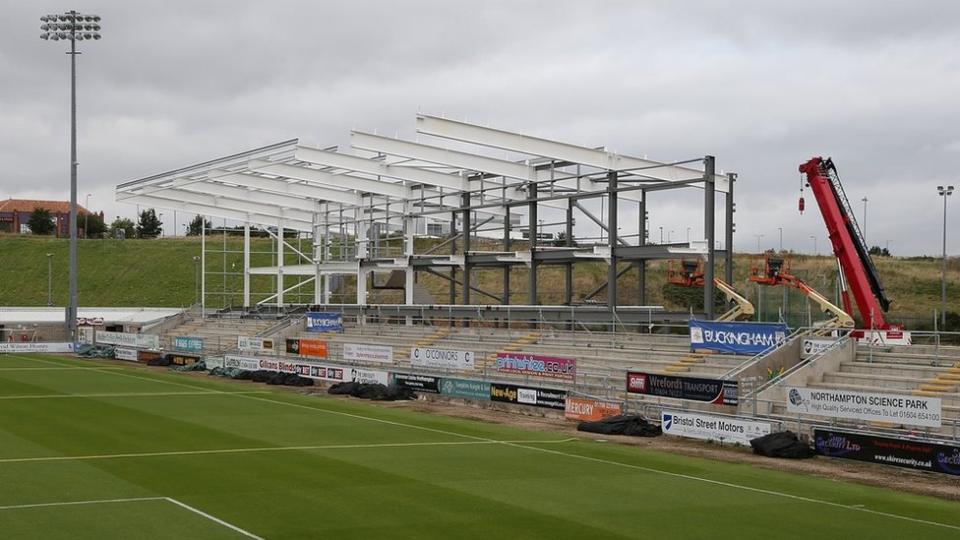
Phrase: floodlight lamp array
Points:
(71, 26)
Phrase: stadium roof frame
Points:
(293, 185)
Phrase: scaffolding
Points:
(512, 203)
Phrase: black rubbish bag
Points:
(625, 424)
(784, 444)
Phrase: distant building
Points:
(15, 216)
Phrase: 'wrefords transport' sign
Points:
(737, 338)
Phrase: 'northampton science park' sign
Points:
(735, 337)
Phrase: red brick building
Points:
(15, 215)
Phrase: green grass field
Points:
(95, 450)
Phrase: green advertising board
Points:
(186, 343)
(464, 388)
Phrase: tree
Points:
(193, 228)
(95, 226)
(149, 226)
(122, 224)
(41, 222)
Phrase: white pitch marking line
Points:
(77, 503)
(266, 449)
(597, 460)
(129, 394)
(213, 519)
(170, 500)
(63, 368)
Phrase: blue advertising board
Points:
(736, 337)
(187, 343)
(322, 321)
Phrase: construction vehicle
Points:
(776, 272)
(856, 266)
(690, 274)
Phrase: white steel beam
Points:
(474, 162)
(525, 144)
(375, 167)
(314, 176)
(158, 201)
(278, 185)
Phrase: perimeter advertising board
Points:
(919, 455)
(467, 389)
(140, 341)
(241, 362)
(255, 344)
(876, 407)
(366, 376)
(125, 353)
(188, 343)
(320, 321)
(537, 365)
(307, 347)
(359, 352)
(736, 337)
(590, 410)
(35, 347)
(304, 369)
(181, 359)
(716, 391)
(441, 358)
(420, 383)
(213, 362)
(525, 395)
(711, 427)
(814, 346)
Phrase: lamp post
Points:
(865, 222)
(661, 235)
(196, 279)
(670, 236)
(814, 238)
(71, 26)
(688, 235)
(758, 237)
(781, 238)
(49, 279)
(86, 217)
(944, 191)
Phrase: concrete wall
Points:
(812, 372)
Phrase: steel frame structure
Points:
(346, 202)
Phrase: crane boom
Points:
(848, 244)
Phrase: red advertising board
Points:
(590, 410)
(316, 348)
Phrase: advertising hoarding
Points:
(918, 455)
(358, 352)
(876, 407)
(537, 365)
(590, 410)
(712, 427)
(320, 321)
(441, 358)
(736, 337)
(716, 391)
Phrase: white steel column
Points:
(203, 266)
(280, 263)
(246, 265)
(318, 257)
(408, 230)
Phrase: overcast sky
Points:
(761, 85)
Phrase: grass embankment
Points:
(162, 273)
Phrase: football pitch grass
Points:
(98, 450)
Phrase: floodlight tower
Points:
(71, 26)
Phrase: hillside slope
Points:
(162, 273)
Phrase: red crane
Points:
(848, 245)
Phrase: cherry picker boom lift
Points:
(691, 275)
